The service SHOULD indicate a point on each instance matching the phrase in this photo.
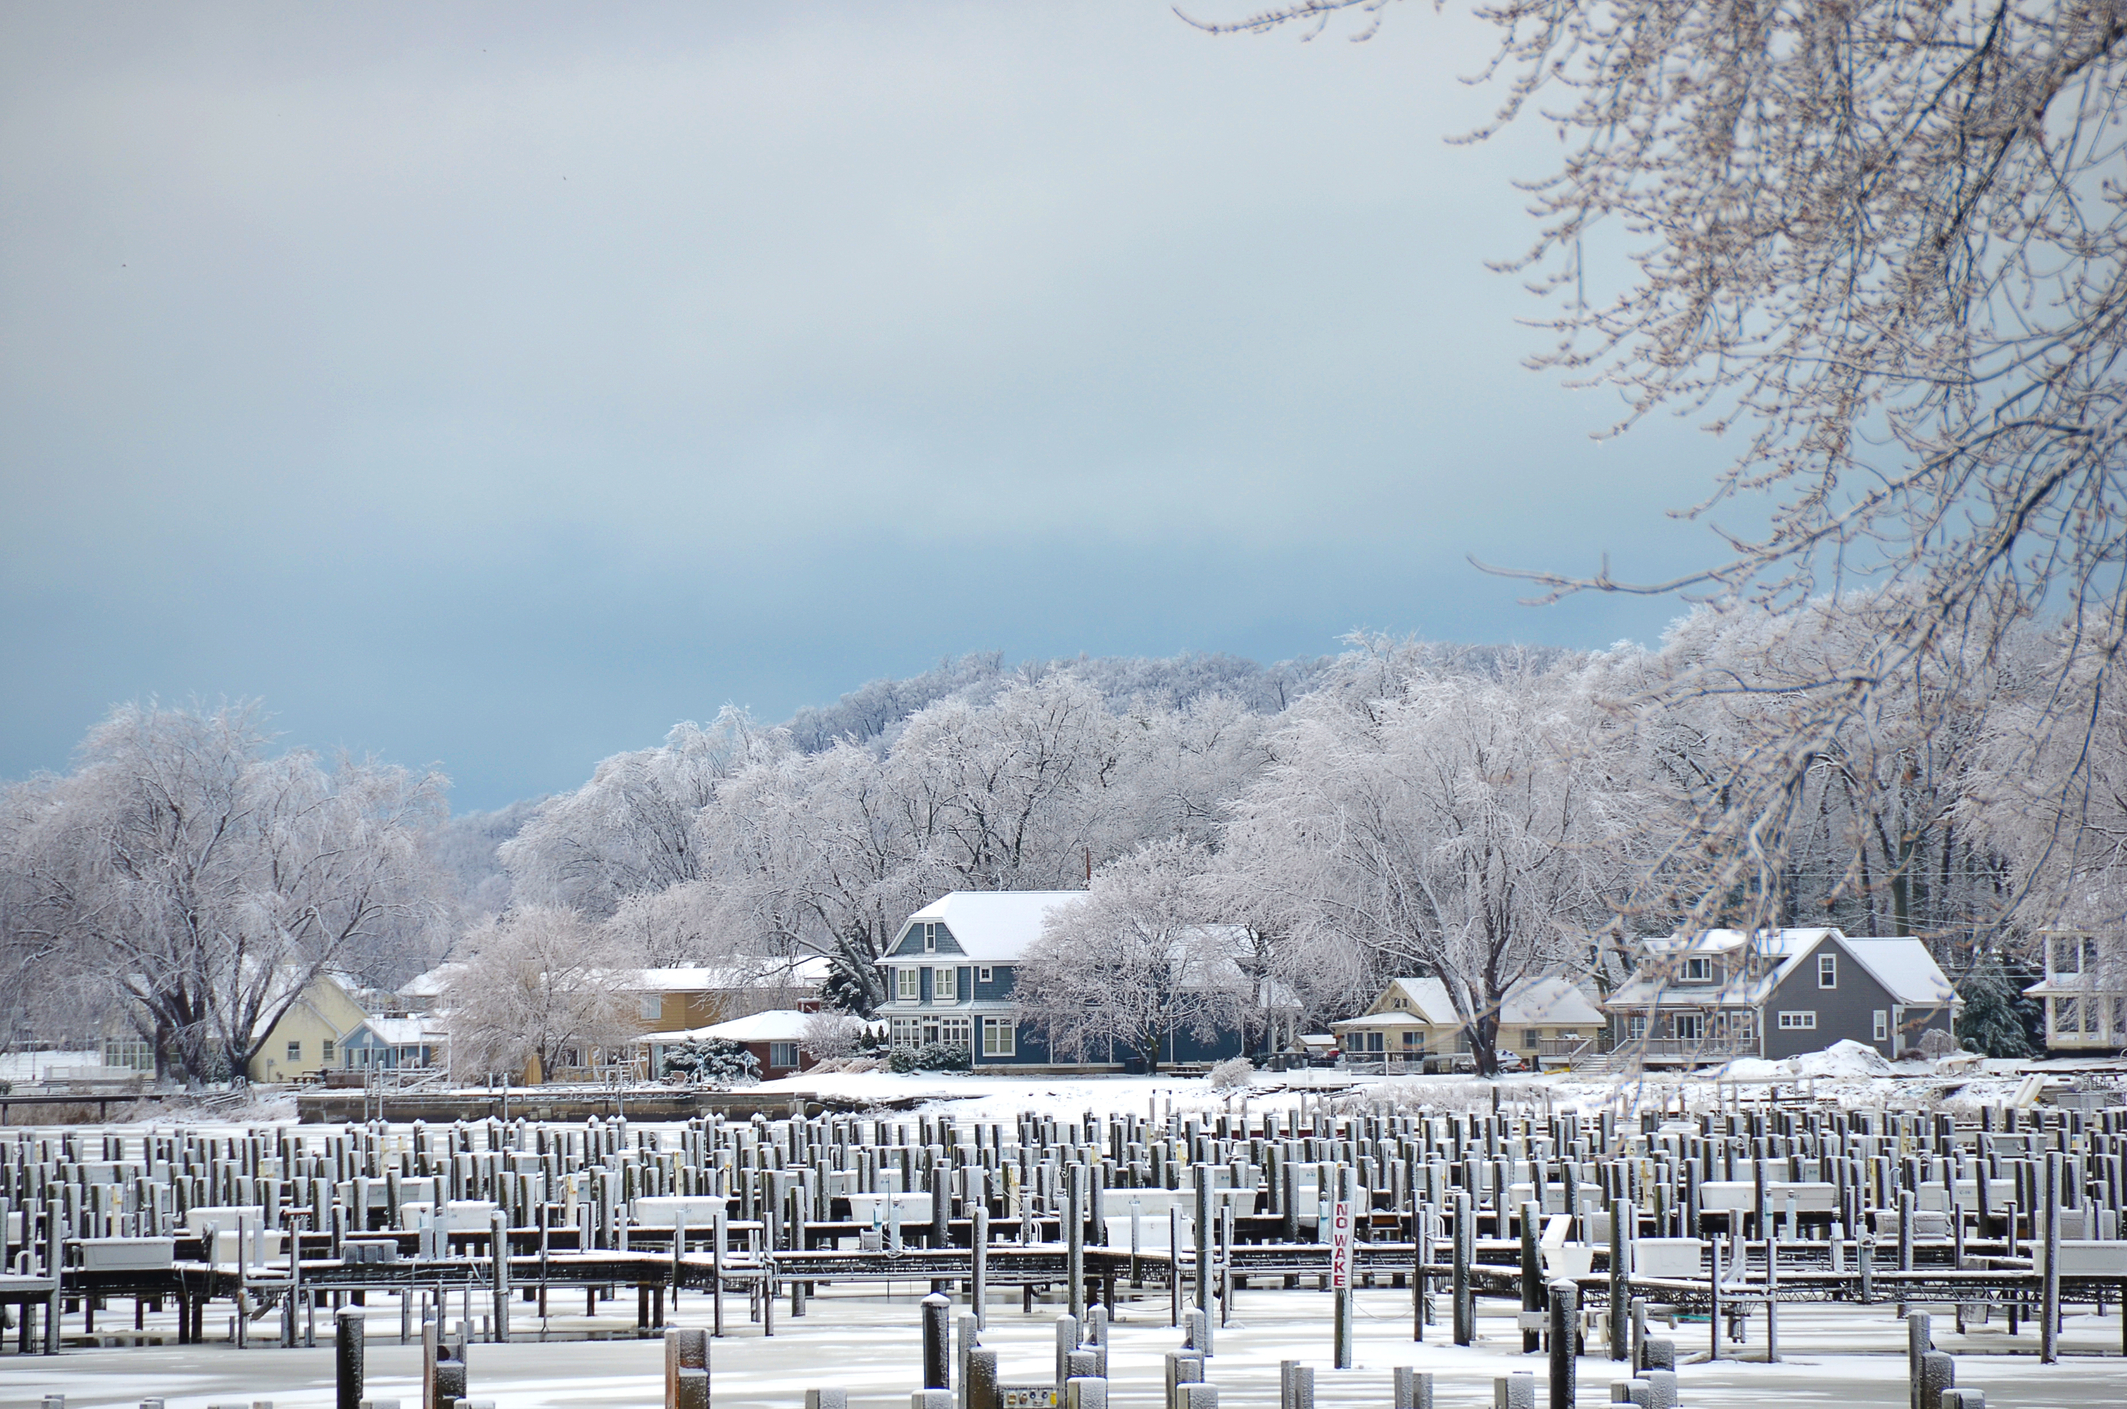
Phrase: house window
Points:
(1413, 1041)
(1636, 1027)
(999, 1038)
(653, 1008)
(782, 1054)
(131, 1053)
(295, 1051)
(1790, 1022)
(956, 1032)
(2073, 954)
(942, 986)
(985, 975)
(1827, 971)
(1689, 1027)
(1532, 1038)
(1698, 969)
(1882, 1026)
(904, 1030)
(325, 1050)
(1375, 1041)
(908, 984)
(930, 939)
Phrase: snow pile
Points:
(1843, 1058)
(1754, 1069)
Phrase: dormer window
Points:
(1698, 969)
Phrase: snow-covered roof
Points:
(1906, 969)
(996, 926)
(1540, 1002)
(775, 1025)
(432, 983)
(1902, 965)
(1425, 1000)
(1771, 943)
(402, 1032)
(764, 972)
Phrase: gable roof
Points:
(432, 983)
(995, 926)
(1901, 966)
(400, 1032)
(1539, 1002)
(1906, 970)
(1424, 999)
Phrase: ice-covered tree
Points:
(539, 985)
(631, 829)
(1140, 961)
(1992, 1022)
(205, 879)
(1879, 248)
(1436, 823)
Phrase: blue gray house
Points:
(949, 976)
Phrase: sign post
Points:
(1340, 1268)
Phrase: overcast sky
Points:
(496, 385)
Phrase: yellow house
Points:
(308, 1036)
(1412, 1019)
(682, 999)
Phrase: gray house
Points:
(1720, 994)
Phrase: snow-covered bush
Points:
(713, 1061)
(1233, 1074)
(931, 1056)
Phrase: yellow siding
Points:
(324, 1013)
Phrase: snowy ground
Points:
(1848, 1079)
(23, 1068)
(866, 1342)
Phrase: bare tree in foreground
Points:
(1881, 247)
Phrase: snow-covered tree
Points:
(539, 985)
(630, 830)
(1434, 823)
(1993, 1022)
(206, 880)
(1879, 248)
(1140, 961)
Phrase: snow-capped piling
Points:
(1565, 1338)
(347, 1358)
(937, 1314)
(1515, 1391)
(686, 1356)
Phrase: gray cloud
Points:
(498, 384)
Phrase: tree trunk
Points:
(1484, 1045)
